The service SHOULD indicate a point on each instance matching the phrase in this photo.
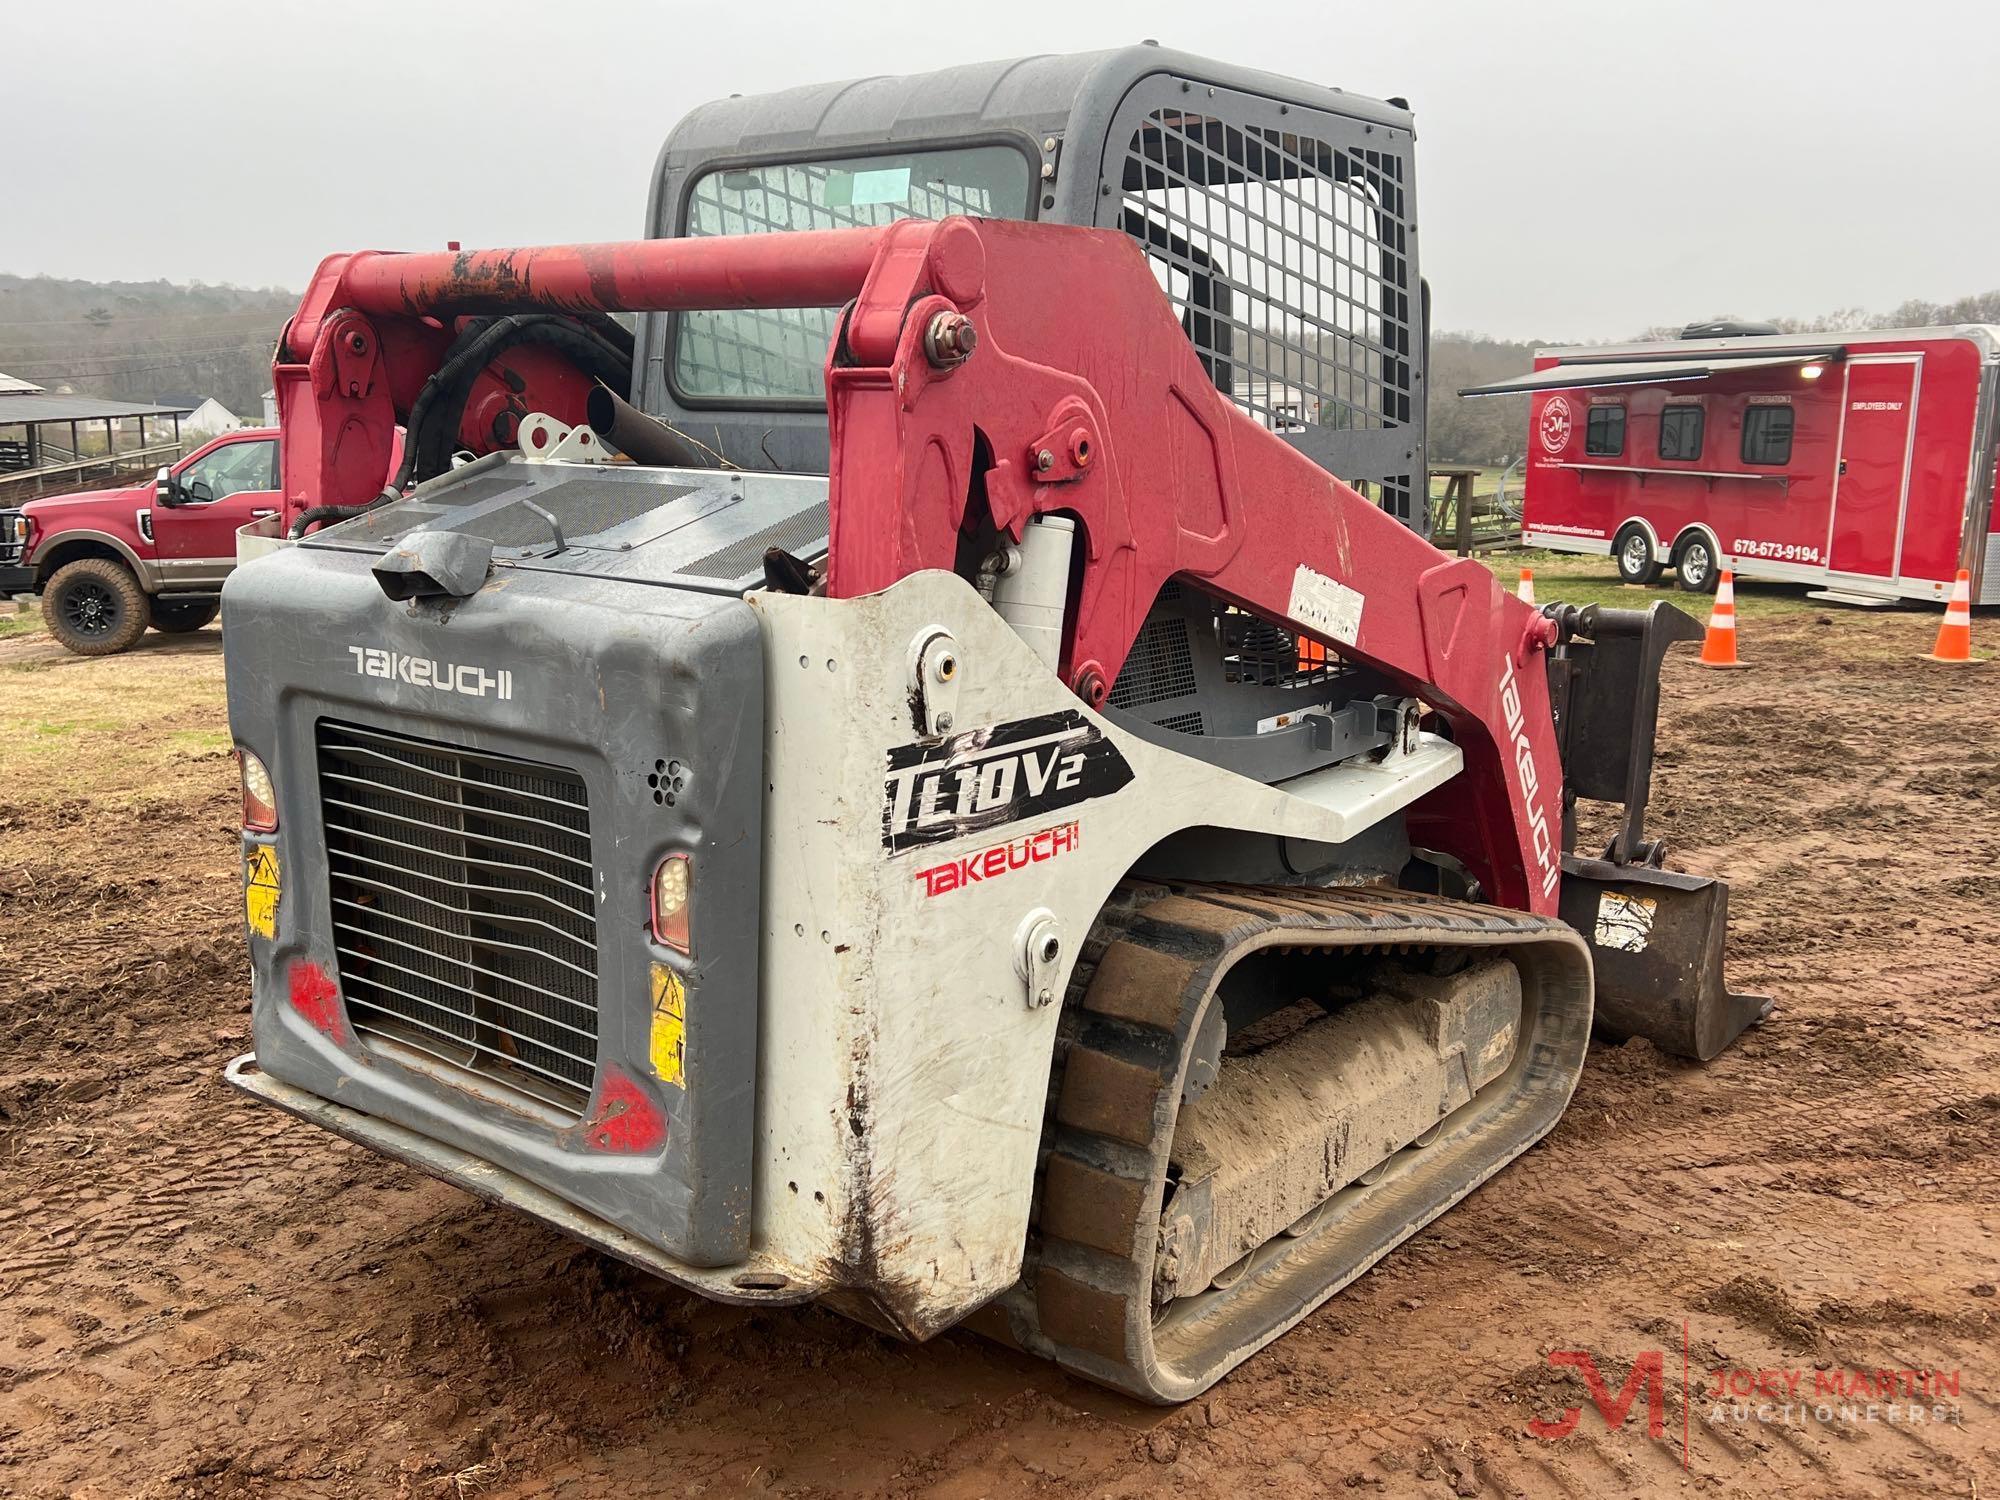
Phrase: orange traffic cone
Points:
(1525, 592)
(1954, 638)
(1718, 647)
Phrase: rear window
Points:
(1767, 435)
(1604, 432)
(1680, 432)
(779, 354)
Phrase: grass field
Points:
(1486, 484)
(1565, 577)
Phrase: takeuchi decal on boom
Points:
(1540, 834)
(996, 775)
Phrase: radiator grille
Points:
(463, 908)
(1160, 666)
(795, 533)
(1256, 651)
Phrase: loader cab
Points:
(1279, 217)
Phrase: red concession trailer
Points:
(1861, 462)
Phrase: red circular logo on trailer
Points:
(1555, 424)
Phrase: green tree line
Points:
(139, 340)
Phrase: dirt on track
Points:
(199, 1297)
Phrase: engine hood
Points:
(694, 529)
(50, 510)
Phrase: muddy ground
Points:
(201, 1298)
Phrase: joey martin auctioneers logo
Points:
(1556, 424)
(1734, 1395)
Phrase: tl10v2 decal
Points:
(989, 777)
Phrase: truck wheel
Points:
(1634, 551)
(179, 616)
(1694, 565)
(94, 607)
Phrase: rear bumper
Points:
(759, 1280)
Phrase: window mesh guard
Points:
(1284, 237)
(781, 352)
(1288, 259)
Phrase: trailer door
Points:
(1872, 478)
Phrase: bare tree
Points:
(1490, 429)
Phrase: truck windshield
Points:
(778, 354)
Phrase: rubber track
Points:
(1145, 975)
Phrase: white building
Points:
(205, 417)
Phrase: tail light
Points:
(260, 798)
(673, 893)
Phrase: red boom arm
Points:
(1083, 396)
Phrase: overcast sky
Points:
(1584, 169)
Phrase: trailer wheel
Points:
(179, 616)
(1634, 551)
(94, 606)
(1694, 564)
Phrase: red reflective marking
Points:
(316, 997)
(627, 1120)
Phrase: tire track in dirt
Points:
(205, 1299)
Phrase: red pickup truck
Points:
(111, 562)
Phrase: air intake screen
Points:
(463, 907)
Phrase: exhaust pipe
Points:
(643, 439)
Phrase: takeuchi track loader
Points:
(940, 774)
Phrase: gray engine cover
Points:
(606, 677)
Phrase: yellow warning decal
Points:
(669, 1050)
(261, 889)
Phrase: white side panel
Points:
(904, 1070)
(256, 538)
(1557, 542)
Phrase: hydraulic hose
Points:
(440, 407)
(325, 515)
(596, 343)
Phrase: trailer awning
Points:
(1573, 375)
